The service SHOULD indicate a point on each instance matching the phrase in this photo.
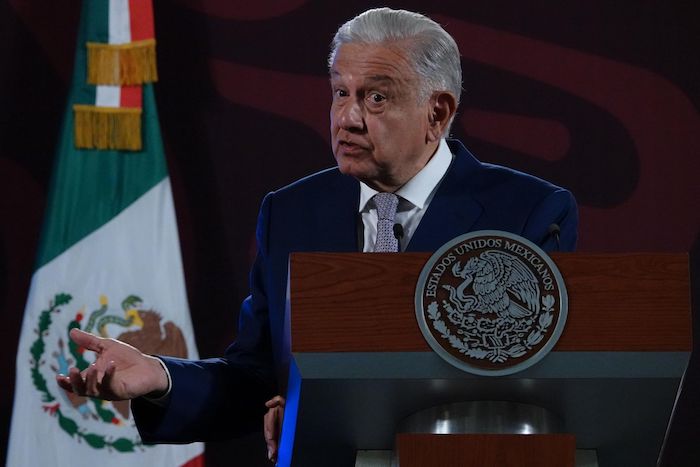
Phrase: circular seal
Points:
(491, 303)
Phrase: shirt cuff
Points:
(161, 400)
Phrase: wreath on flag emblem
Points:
(56, 353)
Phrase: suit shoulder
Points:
(483, 178)
(499, 177)
(319, 182)
(326, 189)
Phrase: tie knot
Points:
(386, 205)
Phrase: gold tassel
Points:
(120, 64)
(107, 127)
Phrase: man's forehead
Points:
(372, 78)
(372, 61)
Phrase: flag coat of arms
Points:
(109, 256)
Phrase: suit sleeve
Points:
(558, 208)
(224, 397)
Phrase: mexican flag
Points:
(109, 258)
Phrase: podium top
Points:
(364, 302)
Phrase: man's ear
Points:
(443, 106)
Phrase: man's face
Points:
(379, 123)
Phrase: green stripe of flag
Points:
(97, 24)
(90, 187)
(82, 92)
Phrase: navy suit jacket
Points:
(223, 397)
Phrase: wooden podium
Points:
(360, 364)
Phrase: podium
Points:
(360, 365)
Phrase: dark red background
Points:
(600, 97)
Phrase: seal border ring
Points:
(460, 364)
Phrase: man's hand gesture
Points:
(120, 371)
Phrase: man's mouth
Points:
(350, 147)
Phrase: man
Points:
(396, 83)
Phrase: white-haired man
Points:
(396, 83)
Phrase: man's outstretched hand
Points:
(120, 371)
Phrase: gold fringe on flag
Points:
(120, 64)
(107, 127)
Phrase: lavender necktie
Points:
(386, 212)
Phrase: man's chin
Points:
(362, 172)
(352, 170)
(347, 166)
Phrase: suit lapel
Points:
(453, 210)
(340, 216)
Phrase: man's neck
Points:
(392, 184)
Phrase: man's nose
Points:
(351, 118)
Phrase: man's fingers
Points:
(64, 382)
(107, 377)
(272, 449)
(277, 401)
(87, 340)
(92, 379)
(76, 381)
(104, 386)
(270, 425)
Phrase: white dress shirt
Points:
(414, 198)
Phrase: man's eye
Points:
(340, 93)
(376, 98)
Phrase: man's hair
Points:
(432, 51)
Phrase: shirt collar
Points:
(419, 188)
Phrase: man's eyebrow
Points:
(381, 78)
(372, 78)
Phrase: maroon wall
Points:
(600, 97)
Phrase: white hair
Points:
(432, 51)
